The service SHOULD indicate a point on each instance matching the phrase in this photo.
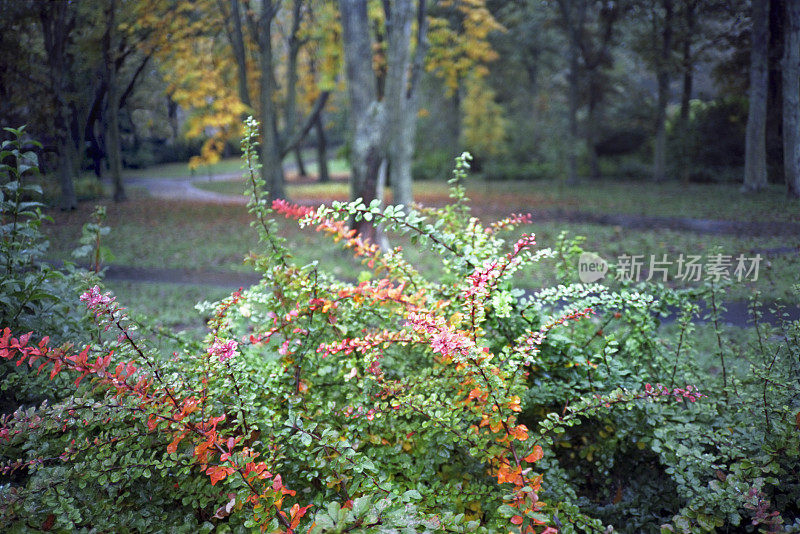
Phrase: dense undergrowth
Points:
(395, 404)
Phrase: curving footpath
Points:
(185, 189)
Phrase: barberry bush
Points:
(398, 403)
(34, 295)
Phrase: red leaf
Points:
(48, 522)
(517, 519)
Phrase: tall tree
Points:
(755, 167)
(791, 99)
(367, 114)
(589, 28)
(111, 79)
(402, 89)
(663, 70)
(58, 20)
(322, 149)
(277, 109)
(573, 20)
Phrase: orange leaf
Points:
(218, 473)
(172, 447)
(535, 456)
(517, 519)
(520, 432)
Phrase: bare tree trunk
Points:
(572, 138)
(572, 18)
(57, 23)
(402, 92)
(591, 132)
(114, 145)
(77, 135)
(301, 167)
(270, 153)
(367, 115)
(755, 166)
(660, 152)
(686, 93)
(399, 14)
(172, 118)
(69, 200)
(322, 150)
(112, 104)
(791, 99)
(402, 155)
(237, 43)
(290, 114)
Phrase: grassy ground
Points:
(182, 170)
(669, 199)
(200, 236)
(227, 166)
(701, 201)
(170, 306)
(182, 235)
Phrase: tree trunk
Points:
(401, 93)
(755, 166)
(270, 151)
(402, 155)
(572, 138)
(172, 119)
(112, 105)
(322, 150)
(114, 145)
(301, 168)
(69, 200)
(791, 99)
(96, 150)
(591, 131)
(367, 115)
(660, 152)
(290, 111)
(237, 43)
(686, 93)
(56, 27)
(77, 136)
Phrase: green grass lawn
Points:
(232, 165)
(166, 305)
(700, 201)
(181, 170)
(200, 236)
(669, 199)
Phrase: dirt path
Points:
(186, 189)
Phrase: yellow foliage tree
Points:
(484, 126)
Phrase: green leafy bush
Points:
(406, 404)
(34, 296)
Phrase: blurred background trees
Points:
(563, 89)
